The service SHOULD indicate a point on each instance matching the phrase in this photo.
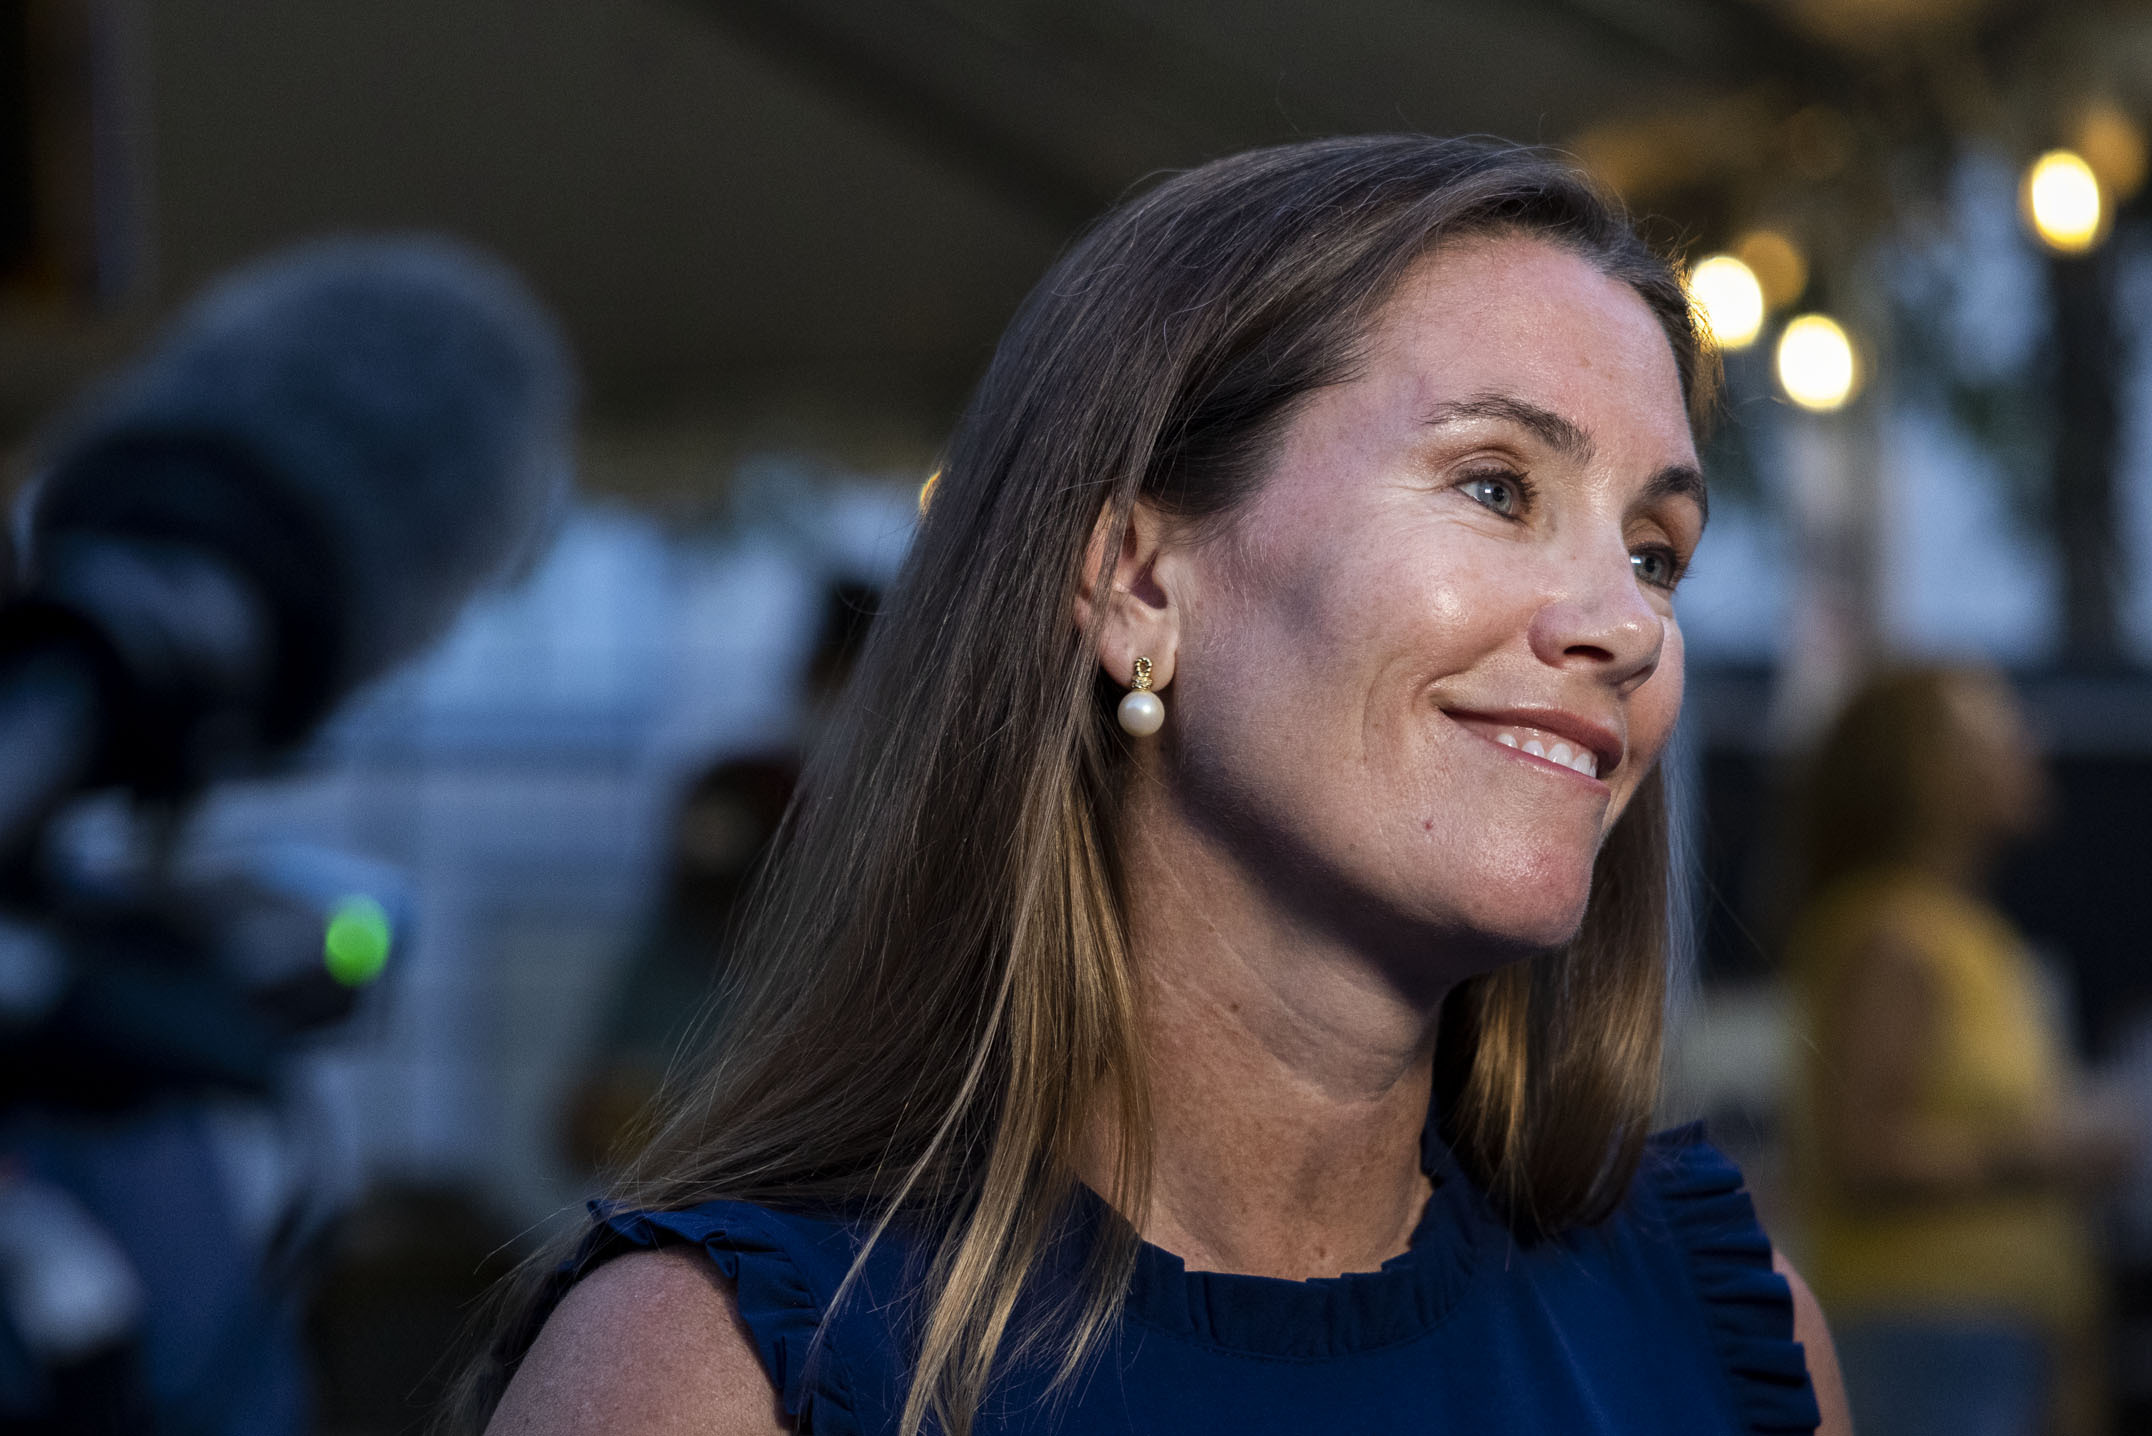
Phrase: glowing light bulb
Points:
(2112, 143)
(1816, 366)
(2062, 202)
(1780, 267)
(1726, 294)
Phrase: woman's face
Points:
(1422, 670)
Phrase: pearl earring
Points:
(1141, 713)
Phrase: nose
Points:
(1599, 619)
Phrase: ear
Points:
(1141, 618)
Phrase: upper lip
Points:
(1605, 743)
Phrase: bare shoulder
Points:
(1814, 1334)
(649, 1344)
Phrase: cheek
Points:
(1653, 712)
(1310, 651)
(1285, 611)
(1658, 702)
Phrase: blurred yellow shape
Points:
(1726, 294)
(2062, 202)
(1778, 264)
(1816, 366)
(2114, 145)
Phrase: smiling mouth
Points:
(1537, 743)
(1544, 745)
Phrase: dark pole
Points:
(2088, 422)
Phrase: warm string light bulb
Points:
(1778, 264)
(1816, 364)
(2063, 203)
(2113, 143)
(1727, 296)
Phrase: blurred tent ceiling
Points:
(755, 214)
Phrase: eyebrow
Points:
(1555, 431)
(1675, 481)
(1680, 481)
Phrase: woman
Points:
(1259, 745)
(1943, 1151)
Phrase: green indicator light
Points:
(356, 946)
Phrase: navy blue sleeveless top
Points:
(1666, 1318)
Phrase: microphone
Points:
(298, 487)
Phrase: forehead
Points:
(1529, 319)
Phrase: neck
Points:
(1289, 1079)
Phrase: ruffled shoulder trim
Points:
(1747, 1305)
(780, 1305)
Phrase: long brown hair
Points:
(935, 984)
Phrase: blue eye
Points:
(1504, 493)
(1655, 566)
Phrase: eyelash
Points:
(1527, 495)
(1675, 567)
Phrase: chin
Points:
(1522, 916)
(1546, 934)
(1511, 937)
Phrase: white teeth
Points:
(1579, 760)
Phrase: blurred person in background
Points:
(721, 830)
(1944, 1153)
(1212, 976)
